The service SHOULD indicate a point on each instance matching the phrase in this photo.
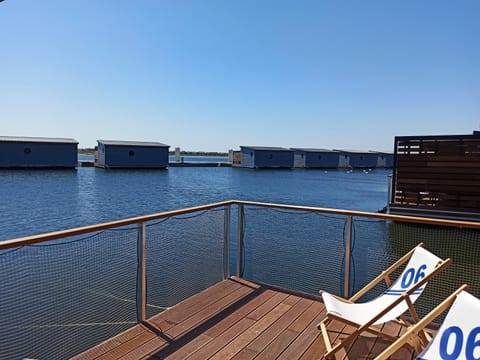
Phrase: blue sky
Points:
(212, 75)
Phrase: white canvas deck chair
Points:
(457, 337)
(391, 305)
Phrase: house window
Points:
(319, 157)
(361, 157)
(131, 153)
(251, 154)
(302, 155)
(27, 151)
(270, 156)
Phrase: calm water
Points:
(39, 201)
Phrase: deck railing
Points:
(65, 291)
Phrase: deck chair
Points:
(391, 305)
(455, 339)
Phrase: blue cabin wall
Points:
(247, 157)
(322, 160)
(38, 155)
(389, 160)
(266, 158)
(115, 156)
(316, 159)
(385, 160)
(363, 160)
(274, 159)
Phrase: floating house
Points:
(266, 157)
(358, 159)
(384, 160)
(131, 154)
(316, 158)
(437, 176)
(38, 152)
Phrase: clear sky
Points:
(216, 74)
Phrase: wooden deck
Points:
(236, 319)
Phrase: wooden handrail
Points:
(35, 239)
(402, 218)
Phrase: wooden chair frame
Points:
(368, 327)
(413, 336)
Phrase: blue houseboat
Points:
(385, 160)
(38, 152)
(316, 158)
(266, 157)
(131, 154)
(358, 159)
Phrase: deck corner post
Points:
(142, 272)
(240, 233)
(226, 242)
(348, 255)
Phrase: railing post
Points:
(241, 220)
(142, 272)
(348, 255)
(226, 242)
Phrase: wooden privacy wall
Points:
(441, 173)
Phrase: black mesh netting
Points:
(60, 298)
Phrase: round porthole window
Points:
(131, 153)
(27, 151)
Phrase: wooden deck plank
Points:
(207, 312)
(192, 305)
(279, 326)
(187, 350)
(307, 331)
(337, 331)
(390, 328)
(267, 306)
(126, 347)
(112, 343)
(278, 345)
(237, 320)
(220, 330)
(240, 313)
(219, 342)
(251, 333)
(226, 323)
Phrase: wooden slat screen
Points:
(438, 173)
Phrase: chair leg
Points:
(337, 351)
(323, 328)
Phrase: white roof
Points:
(266, 148)
(131, 143)
(37, 139)
(316, 150)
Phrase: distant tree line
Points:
(86, 151)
